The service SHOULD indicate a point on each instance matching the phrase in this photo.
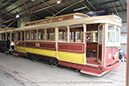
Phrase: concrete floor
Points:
(19, 71)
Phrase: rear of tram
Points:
(102, 50)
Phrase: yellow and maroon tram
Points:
(76, 40)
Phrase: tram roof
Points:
(111, 19)
(7, 29)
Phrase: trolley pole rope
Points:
(68, 7)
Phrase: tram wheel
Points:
(53, 62)
(34, 58)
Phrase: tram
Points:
(7, 40)
(90, 44)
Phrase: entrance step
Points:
(94, 73)
(15, 54)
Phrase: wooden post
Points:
(84, 41)
(127, 62)
(68, 29)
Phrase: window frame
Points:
(106, 36)
(73, 35)
(54, 35)
(34, 34)
(27, 32)
(65, 35)
(17, 38)
(41, 30)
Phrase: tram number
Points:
(37, 44)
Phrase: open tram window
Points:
(22, 33)
(41, 34)
(4, 36)
(51, 34)
(33, 34)
(92, 36)
(76, 33)
(117, 34)
(111, 34)
(100, 34)
(63, 33)
(18, 36)
(27, 35)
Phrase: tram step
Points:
(93, 73)
(7, 52)
(15, 54)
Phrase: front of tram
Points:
(109, 44)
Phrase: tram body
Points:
(76, 40)
(7, 40)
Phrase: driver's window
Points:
(100, 34)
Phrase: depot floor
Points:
(19, 71)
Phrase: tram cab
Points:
(103, 46)
(7, 40)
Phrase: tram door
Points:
(100, 44)
(8, 40)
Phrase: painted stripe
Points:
(21, 49)
(71, 57)
(62, 56)
(44, 52)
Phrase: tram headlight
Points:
(110, 56)
(12, 44)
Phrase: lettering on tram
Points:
(89, 44)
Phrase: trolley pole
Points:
(127, 62)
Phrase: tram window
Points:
(88, 36)
(12, 37)
(94, 36)
(62, 33)
(111, 34)
(33, 34)
(117, 34)
(41, 34)
(27, 35)
(76, 33)
(18, 36)
(51, 34)
(100, 34)
(4, 36)
(22, 35)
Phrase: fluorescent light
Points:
(79, 8)
(58, 2)
(17, 16)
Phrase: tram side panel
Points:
(3, 46)
(71, 52)
(37, 48)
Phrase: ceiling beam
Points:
(4, 1)
(19, 6)
(32, 6)
(118, 11)
(37, 10)
(107, 2)
(110, 7)
(8, 4)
